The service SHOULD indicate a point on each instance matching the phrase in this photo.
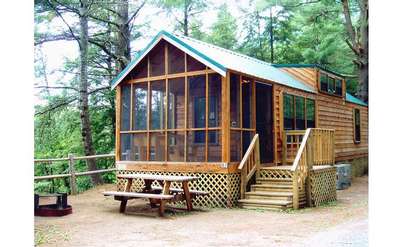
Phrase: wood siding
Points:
(331, 113)
(306, 75)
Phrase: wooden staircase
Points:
(271, 193)
(287, 186)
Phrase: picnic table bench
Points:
(157, 195)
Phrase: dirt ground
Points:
(96, 222)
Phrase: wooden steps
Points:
(271, 193)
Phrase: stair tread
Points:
(265, 185)
(266, 202)
(276, 179)
(270, 193)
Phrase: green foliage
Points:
(223, 31)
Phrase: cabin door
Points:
(264, 121)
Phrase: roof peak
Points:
(221, 48)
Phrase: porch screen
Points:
(171, 112)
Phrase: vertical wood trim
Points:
(240, 116)
(166, 118)
(274, 127)
(253, 104)
(206, 141)
(225, 115)
(131, 108)
(148, 119)
(186, 111)
(118, 124)
(281, 121)
(165, 101)
(148, 109)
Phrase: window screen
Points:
(288, 112)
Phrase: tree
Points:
(184, 11)
(223, 31)
(357, 40)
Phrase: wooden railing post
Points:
(295, 191)
(71, 163)
(310, 163)
(257, 158)
(284, 148)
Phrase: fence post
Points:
(72, 179)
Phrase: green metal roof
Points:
(307, 65)
(355, 100)
(220, 60)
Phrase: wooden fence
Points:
(72, 174)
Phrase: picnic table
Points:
(157, 195)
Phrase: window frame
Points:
(305, 99)
(356, 111)
(335, 79)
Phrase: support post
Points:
(295, 191)
(71, 163)
(310, 163)
(257, 153)
(284, 148)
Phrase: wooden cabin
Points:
(237, 123)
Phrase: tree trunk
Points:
(83, 92)
(123, 36)
(185, 20)
(358, 43)
(363, 56)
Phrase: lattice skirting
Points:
(323, 185)
(223, 189)
(276, 173)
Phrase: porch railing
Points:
(72, 174)
(250, 164)
(316, 148)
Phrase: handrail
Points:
(317, 147)
(250, 164)
(72, 174)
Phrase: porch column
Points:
(225, 115)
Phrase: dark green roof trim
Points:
(307, 65)
(215, 63)
(355, 100)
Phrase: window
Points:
(300, 118)
(288, 112)
(310, 113)
(125, 107)
(324, 82)
(330, 84)
(140, 106)
(298, 112)
(157, 60)
(157, 104)
(357, 126)
(338, 87)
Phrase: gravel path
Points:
(96, 222)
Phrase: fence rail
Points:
(72, 174)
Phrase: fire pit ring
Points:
(60, 208)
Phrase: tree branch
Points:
(136, 12)
(58, 87)
(65, 22)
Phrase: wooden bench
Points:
(125, 196)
